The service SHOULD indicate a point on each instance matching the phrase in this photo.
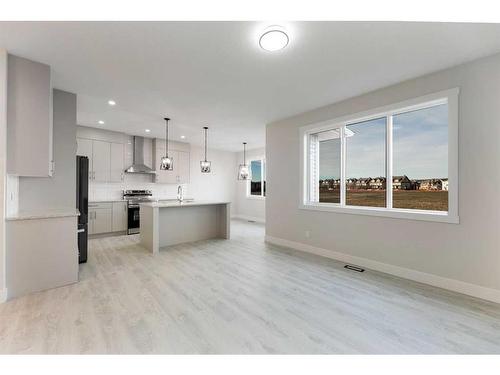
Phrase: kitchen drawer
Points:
(101, 205)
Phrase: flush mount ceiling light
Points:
(183, 136)
(100, 122)
(243, 170)
(205, 165)
(167, 163)
(147, 130)
(111, 102)
(274, 38)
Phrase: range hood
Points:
(138, 165)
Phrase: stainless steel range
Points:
(133, 198)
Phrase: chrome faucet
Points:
(180, 193)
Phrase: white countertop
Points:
(170, 203)
(106, 200)
(43, 214)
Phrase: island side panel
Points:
(188, 224)
(225, 221)
(149, 237)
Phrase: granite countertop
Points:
(175, 203)
(43, 214)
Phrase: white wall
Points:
(3, 167)
(58, 191)
(220, 184)
(463, 257)
(249, 208)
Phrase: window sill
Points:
(435, 216)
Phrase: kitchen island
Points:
(166, 223)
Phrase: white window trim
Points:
(451, 216)
(262, 160)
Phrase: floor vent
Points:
(251, 221)
(354, 268)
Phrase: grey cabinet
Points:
(29, 118)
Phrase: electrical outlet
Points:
(308, 234)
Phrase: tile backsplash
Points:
(113, 190)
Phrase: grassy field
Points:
(414, 199)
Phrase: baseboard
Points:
(3, 295)
(406, 273)
(250, 218)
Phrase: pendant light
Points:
(167, 163)
(204, 164)
(244, 171)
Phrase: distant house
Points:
(402, 183)
(444, 184)
(351, 183)
(363, 183)
(431, 184)
(377, 183)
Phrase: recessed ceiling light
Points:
(111, 102)
(100, 122)
(274, 38)
(147, 130)
(183, 136)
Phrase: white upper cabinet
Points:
(116, 163)
(101, 161)
(106, 159)
(29, 118)
(84, 148)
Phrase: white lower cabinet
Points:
(100, 218)
(107, 217)
(119, 220)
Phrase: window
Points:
(365, 163)
(420, 154)
(397, 161)
(257, 185)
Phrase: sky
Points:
(420, 147)
(256, 170)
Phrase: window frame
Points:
(449, 97)
(263, 179)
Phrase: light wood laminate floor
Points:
(241, 296)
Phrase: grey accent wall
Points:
(468, 252)
(58, 191)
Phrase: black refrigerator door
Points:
(82, 243)
(82, 188)
(82, 204)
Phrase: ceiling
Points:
(214, 73)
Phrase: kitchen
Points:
(119, 166)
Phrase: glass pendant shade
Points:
(244, 170)
(205, 165)
(167, 164)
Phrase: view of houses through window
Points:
(419, 161)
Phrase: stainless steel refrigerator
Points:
(82, 204)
